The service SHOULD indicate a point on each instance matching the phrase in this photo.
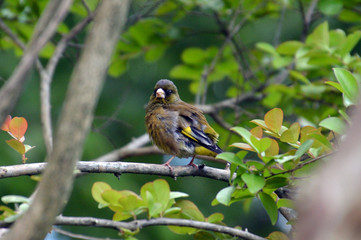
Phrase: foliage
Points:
(21, 205)
(156, 200)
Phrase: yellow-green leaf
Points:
(16, 145)
(291, 135)
(97, 189)
(274, 119)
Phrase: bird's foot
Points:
(169, 166)
(193, 165)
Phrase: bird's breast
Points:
(162, 126)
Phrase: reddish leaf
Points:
(16, 145)
(18, 127)
(274, 120)
(5, 126)
(257, 132)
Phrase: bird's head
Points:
(165, 92)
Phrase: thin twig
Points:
(301, 165)
(47, 77)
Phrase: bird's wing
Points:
(193, 125)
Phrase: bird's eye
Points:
(168, 92)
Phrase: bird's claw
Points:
(169, 166)
(193, 165)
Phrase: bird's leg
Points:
(191, 162)
(167, 163)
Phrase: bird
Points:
(178, 128)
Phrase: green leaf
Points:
(202, 235)
(299, 76)
(266, 47)
(172, 211)
(193, 56)
(319, 37)
(289, 47)
(215, 218)
(117, 67)
(334, 124)
(14, 199)
(174, 195)
(291, 135)
(245, 134)
(349, 15)
(260, 123)
(330, 7)
(224, 196)
(276, 182)
(162, 190)
(230, 157)
(186, 72)
(156, 196)
(155, 52)
(348, 84)
(283, 158)
(303, 148)
(97, 189)
(337, 37)
(335, 85)
(284, 202)
(16, 145)
(188, 211)
(322, 140)
(281, 61)
(262, 144)
(254, 182)
(120, 216)
(277, 236)
(351, 41)
(270, 205)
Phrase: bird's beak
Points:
(160, 93)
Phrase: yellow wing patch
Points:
(188, 132)
(204, 151)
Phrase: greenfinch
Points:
(176, 127)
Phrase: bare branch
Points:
(139, 224)
(301, 165)
(119, 168)
(47, 77)
(8, 31)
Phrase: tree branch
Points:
(119, 168)
(47, 77)
(74, 122)
(139, 224)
